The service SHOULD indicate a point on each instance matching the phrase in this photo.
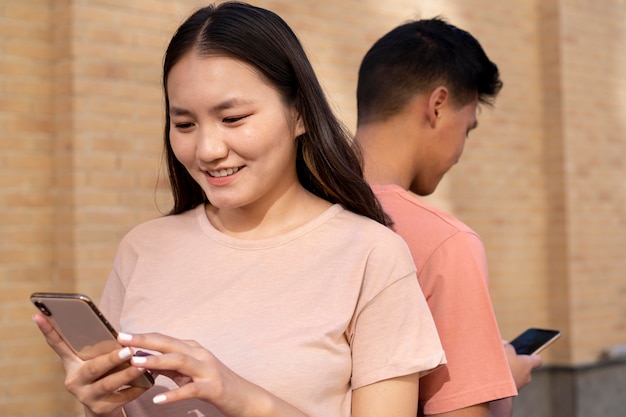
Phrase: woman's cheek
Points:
(184, 151)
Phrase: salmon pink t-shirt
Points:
(452, 271)
(309, 315)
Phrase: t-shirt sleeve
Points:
(393, 331)
(112, 300)
(458, 296)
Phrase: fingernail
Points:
(125, 353)
(137, 360)
(159, 399)
(125, 336)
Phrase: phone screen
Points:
(534, 340)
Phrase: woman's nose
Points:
(211, 145)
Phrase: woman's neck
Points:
(259, 222)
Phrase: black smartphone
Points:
(83, 327)
(534, 340)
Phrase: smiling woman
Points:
(288, 284)
(326, 164)
(238, 140)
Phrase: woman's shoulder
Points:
(383, 253)
(368, 229)
(164, 226)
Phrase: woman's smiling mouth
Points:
(223, 172)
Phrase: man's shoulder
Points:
(407, 210)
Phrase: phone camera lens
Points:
(42, 307)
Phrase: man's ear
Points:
(437, 100)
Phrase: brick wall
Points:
(541, 179)
(27, 206)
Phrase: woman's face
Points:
(232, 131)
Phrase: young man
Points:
(418, 92)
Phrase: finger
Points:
(186, 392)
(111, 400)
(113, 368)
(535, 361)
(121, 379)
(54, 340)
(114, 389)
(182, 368)
(181, 360)
(156, 342)
(176, 361)
(104, 383)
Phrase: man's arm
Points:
(499, 408)
(478, 410)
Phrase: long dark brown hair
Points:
(327, 163)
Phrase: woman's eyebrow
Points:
(177, 111)
(225, 105)
(233, 102)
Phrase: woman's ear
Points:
(436, 102)
(299, 128)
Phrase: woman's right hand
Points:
(101, 395)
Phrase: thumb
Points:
(535, 361)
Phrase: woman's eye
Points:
(233, 119)
(183, 126)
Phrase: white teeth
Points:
(223, 172)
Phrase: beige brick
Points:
(541, 180)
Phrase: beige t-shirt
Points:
(309, 315)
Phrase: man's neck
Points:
(385, 160)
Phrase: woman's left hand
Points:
(201, 375)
